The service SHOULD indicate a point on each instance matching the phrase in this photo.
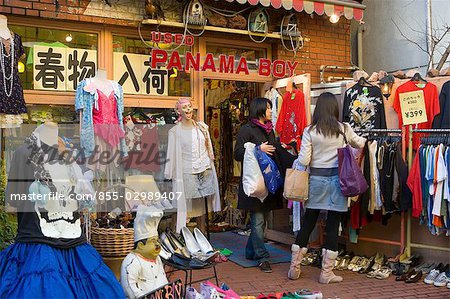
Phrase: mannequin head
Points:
(48, 133)
(185, 110)
(149, 248)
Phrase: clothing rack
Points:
(409, 243)
(402, 242)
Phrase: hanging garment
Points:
(86, 101)
(387, 176)
(415, 185)
(276, 99)
(292, 118)
(443, 119)
(363, 108)
(431, 105)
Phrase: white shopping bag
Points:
(252, 178)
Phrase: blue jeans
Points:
(255, 249)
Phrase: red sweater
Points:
(292, 117)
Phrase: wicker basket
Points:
(112, 242)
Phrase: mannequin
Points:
(48, 133)
(12, 103)
(102, 83)
(100, 104)
(190, 166)
(50, 244)
(5, 33)
(142, 270)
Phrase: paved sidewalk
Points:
(251, 281)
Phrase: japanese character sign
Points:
(61, 69)
(412, 105)
(134, 73)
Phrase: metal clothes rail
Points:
(401, 243)
(409, 243)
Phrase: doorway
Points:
(226, 105)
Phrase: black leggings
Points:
(332, 228)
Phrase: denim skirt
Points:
(325, 194)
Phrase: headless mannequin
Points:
(48, 133)
(102, 83)
(5, 33)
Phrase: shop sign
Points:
(61, 69)
(412, 105)
(173, 290)
(134, 73)
(228, 64)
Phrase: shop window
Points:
(56, 60)
(251, 55)
(132, 70)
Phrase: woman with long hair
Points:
(320, 142)
(259, 131)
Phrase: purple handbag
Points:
(351, 178)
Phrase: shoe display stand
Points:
(189, 273)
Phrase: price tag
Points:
(412, 105)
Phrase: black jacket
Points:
(257, 135)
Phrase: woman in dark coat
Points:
(259, 131)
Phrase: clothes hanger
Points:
(363, 81)
(418, 78)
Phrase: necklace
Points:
(3, 56)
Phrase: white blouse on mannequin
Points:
(193, 150)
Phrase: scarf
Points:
(267, 126)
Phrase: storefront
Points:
(95, 35)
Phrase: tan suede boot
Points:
(328, 260)
(296, 259)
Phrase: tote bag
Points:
(270, 172)
(296, 184)
(351, 178)
(252, 178)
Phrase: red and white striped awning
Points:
(348, 8)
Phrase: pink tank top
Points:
(106, 122)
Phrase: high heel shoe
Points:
(176, 244)
(204, 244)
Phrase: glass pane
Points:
(179, 81)
(62, 39)
(251, 55)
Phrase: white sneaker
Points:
(441, 280)
(448, 285)
(431, 277)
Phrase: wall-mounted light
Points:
(386, 84)
(334, 18)
(69, 37)
(173, 73)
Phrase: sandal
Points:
(366, 268)
(383, 273)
